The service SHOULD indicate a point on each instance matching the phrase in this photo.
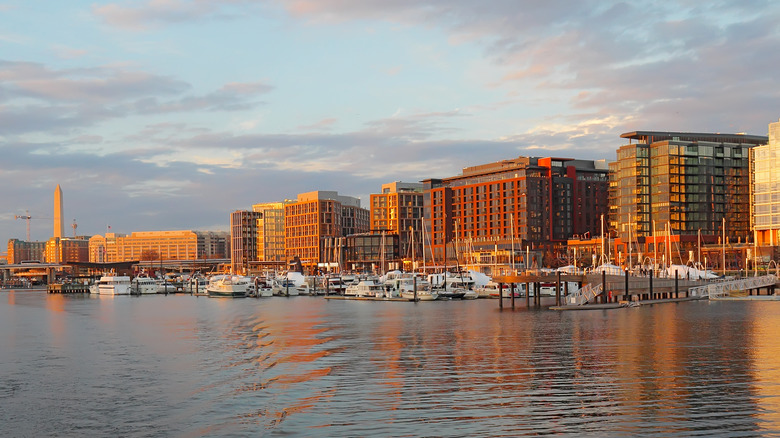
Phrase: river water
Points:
(185, 366)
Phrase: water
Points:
(189, 366)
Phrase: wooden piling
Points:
(512, 294)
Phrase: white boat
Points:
(284, 287)
(470, 295)
(488, 290)
(196, 285)
(143, 286)
(365, 288)
(165, 287)
(112, 285)
(228, 286)
(422, 294)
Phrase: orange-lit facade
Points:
(320, 217)
(22, 251)
(158, 245)
(399, 210)
(65, 250)
(522, 203)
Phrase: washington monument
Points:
(59, 227)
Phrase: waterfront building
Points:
(270, 231)
(398, 209)
(21, 251)
(315, 224)
(527, 207)
(243, 240)
(765, 184)
(158, 245)
(684, 184)
(67, 250)
(373, 252)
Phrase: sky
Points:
(170, 114)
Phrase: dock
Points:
(67, 288)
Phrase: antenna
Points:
(74, 225)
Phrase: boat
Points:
(488, 290)
(196, 285)
(284, 287)
(228, 286)
(365, 288)
(399, 284)
(112, 285)
(143, 286)
(165, 287)
(470, 295)
(424, 293)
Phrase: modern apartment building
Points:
(158, 245)
(243, 240)
(765, 189)
(525, 202)
(684, 182)
(398, 210)
(315, 224)
(270, 231)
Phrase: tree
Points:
(150, 254)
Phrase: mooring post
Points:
(604, 286)
(527, 294)
(677, 284)
(538, 294)
(650, 293)
(512, 294)
(625, 292)
(414, 285)
(558, 289)
(500, 295)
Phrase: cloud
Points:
(152, 13)
(36, 98)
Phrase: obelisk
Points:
(59, 226)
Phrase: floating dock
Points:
(67, 288)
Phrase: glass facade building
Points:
(685, 182)
(765, 186)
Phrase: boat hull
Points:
(227, 294)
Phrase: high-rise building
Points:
(243, 240)
(765, 183)
(270, 231)
(526, 202)
(684, 182)
(59, 224)
(316, 223)
(398, 210)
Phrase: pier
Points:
(601, 291)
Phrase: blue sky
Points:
(170, 114)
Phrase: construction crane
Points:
(27, 218)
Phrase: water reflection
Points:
(194, 366)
